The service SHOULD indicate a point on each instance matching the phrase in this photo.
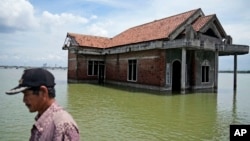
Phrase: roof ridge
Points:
(151, 22)
(200, 22)
(198, 9)
(87, 35)
(211, 15)
(161, 19)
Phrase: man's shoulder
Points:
(65, 126)
(62, 116)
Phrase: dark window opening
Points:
(132, 70)
(210, 32)
(205, 73)
(93, 67)
(176, 76)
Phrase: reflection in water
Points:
(108, 113)
(234, 108)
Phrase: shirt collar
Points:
(42, 120)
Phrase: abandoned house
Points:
(175, 53)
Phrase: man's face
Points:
(34, 102)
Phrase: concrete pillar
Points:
(235, 72)
(216, 69)
(183, 70)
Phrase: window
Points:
(132, 70)
(93, 67)
(205, 68)
(205, 73)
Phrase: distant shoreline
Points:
(239, 71)
(27, 67)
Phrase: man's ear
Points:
(44, 91)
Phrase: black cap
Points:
(33, 78)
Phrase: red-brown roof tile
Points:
(156, 30)
(201, 21)
(89, 40)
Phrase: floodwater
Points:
(109, 113)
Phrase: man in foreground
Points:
(53, 123)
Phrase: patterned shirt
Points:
(55, 124)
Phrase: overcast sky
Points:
(32, 32)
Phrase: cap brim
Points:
(16, 90)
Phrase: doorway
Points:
(101, 73)
(176, 76)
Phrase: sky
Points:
(32, 32)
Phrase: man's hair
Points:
(51, 91)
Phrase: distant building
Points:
(174, 53)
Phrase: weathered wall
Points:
(200, 56)
(79, 71)
(71, 66)
(150, 67)
(116, 67)
(194, 60)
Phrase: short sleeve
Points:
(66, 132)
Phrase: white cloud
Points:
(16, 15)
(62, 19)
(93, 17)
(34, 39)
(19, 15)
(99, 28)
(121, 4)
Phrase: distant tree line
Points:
(230, 71)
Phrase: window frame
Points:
(205, 72)
(132, 70)
(93, 67)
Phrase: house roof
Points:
(166, 28)
(158, 29)
(200, 22)
(89, 40)
(203, 23)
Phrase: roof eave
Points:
(214, 22)
(182, 26)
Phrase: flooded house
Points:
(179, 52)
